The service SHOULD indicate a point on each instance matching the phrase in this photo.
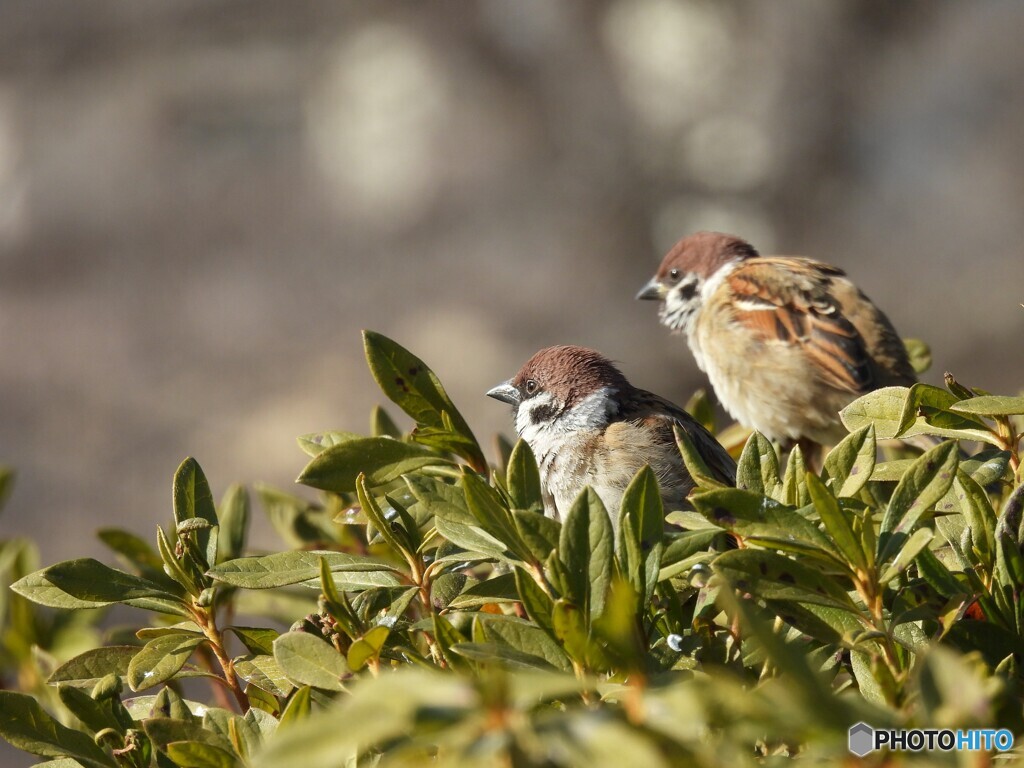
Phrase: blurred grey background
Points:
(203, 201)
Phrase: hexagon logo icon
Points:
(862, 739)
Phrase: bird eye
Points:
(531, 387)
(674, 275)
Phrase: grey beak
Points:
(653, 291)
(506, 393)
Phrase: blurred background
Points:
(203, 202)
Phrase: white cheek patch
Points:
(525, 423)
(713, 283)
(592, 412)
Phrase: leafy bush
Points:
(441, 617)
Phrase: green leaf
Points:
(927, 481)
(92, 581)
(87, 669)
(586, 547)
(758, 467)
(163, 731)
(979, 516)
(535, 600)
(398, 540)
(794, 484)
(367, 647)
(93, 714)
(28, 727)
(524, 479)
(990, 405)
(381, 459)
(762, 521)
(497, 589)
(919, 354)
(885, 409)
(38, 589)
(493, 516)
(849, 465)
(307, 660)
(522, 636)
(447, 636)
(234, 523)
(505, 655)
(539, 533)
(160, 659)
(263, 671)
(775, 577)
(909, 550)
(695, 465)
(192, 499)
(294, 567)
(933, 405)
(315, 443)
(133, 549)
(195, 754)
(414, 388)
(641, 532)
(258, 640)
(836, 523)
(297, 709)
(382, 425)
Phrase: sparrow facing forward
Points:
(587, 425)
(787, 342)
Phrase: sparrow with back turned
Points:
(587, 425)
(787, 342)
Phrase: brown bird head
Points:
(567, 387)
(691, 263)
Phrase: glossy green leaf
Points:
(849, 465)
(381, 459)
(836, 523)
(497, 589)
(315, 443)
(193, 500)
(160, 659)
(414, 388)
(27, 726)
(87, 669)
(258, 640)
(308, 660)
(991, 405)
(89, 580)
(587, 548)
(763, 521)
(298, 707)
(924, 483)
(263, 671)
(641, 532)
(195, 754)
(523, 637)
(539, 533)
(919, 354)
(794, 483)
(523, 478)
(382, 425)
(758, 467)
(885, 409)
(234, 523)
(775, 577)
(367, 647)
(695, 465)
(293, 567)
(493, 516)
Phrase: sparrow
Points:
(587, 425)
(786, 342)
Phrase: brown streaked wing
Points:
(662, 414)
(787, 301)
